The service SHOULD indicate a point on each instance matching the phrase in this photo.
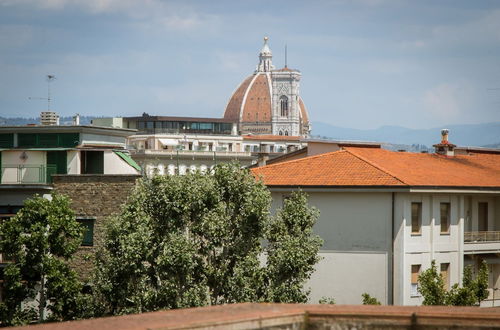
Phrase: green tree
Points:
(196, 240)
(369, 300)
(471, 293)
(292, 251)
(431, 286)
(40, 240)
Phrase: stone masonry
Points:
(96, 196)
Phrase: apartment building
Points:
(386, 215)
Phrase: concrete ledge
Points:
(295, 316)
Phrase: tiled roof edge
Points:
(371, 163)
(301, 159)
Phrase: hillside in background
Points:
(463, 135)
(84, 120)
(392, 137)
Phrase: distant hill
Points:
(463, 135)
(84, 120)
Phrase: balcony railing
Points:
(481, 236)
(27, 174)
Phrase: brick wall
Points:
(95, 196)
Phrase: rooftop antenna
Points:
(50, 78)
(286, 58)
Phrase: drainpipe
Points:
(391, 287)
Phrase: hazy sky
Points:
(364, 63)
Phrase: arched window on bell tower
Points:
(284, 106)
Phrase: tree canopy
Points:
(38, 242)
(472, 292)
(194, 240)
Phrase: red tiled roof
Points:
(379, 167)
(267, 137)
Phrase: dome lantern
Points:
(265, 58)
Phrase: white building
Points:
(386, 215)
(30, 155)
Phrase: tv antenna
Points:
(50, 78)
(286, 56)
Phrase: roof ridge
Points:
(302, 159)
(374, 164)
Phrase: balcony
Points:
(482, 242)
(27, 174)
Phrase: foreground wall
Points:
(295, 316)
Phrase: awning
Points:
(128, 159)
(169, 142)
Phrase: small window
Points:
(445, 275)
(482, 215)
(284, 106)
(416, 218)
(415, 272)
(88, 235)
(445, 218)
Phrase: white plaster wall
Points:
(356, 229)
(431, 244)
(33, 160)
(100, 139)
(113, 164)
(74, 164)
(345, 276)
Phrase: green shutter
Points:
(88, 235)
(27, 140)
(7, 140)
(47, 140)
(69, 140)
(57, 163)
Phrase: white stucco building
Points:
(386, 215)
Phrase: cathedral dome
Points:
(268, 101)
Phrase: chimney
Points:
(76, 120)
(445, 147)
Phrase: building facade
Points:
(89, 164)
(386, 215)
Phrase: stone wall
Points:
(94, 196)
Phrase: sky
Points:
(364, 63)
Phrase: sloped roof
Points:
(354, 166)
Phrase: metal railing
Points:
(191, 152)
(26, 174)
(481, 236)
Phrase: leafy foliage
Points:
(292, 250)
(194, 240)
(472, 292)
(327, 301)
(40, 240)
(369, 300)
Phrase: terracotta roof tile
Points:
(257, 106)
(379, 167)
(339, 168)
(234, 105)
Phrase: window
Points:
(416, 218)
(445, 218)
(284, 106)
(88, 235)
(482, 216)
(92, 162)
(445, 275)
(415, 271)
